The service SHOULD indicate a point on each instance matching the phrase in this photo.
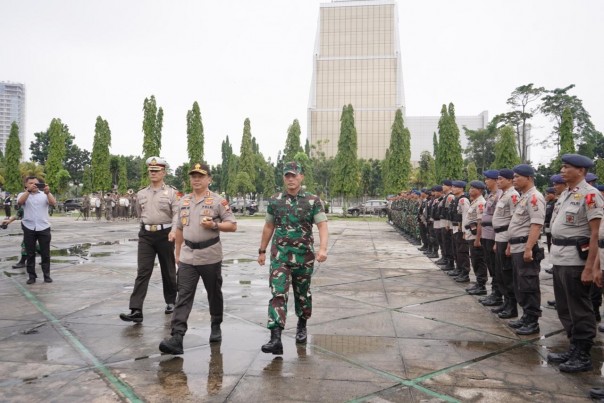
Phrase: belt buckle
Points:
(153, 228)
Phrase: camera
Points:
(41, 185)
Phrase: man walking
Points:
(290, 216)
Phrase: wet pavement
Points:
(387, 325)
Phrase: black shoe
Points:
(596, 393)
(446, 268)
(601, 327)
(508, 313)
(501, 308)
(442, 260)
(423, 248)
(432, 255)
(30, 281)
(559, 358)
(529, 328)
(274, 345)
(216, 333)
(173, 345)
(478, 291)
(579, 361)
(518, 323)
(47, 279)
(135, 316)
(549, 271)
(301, 331)
(472, 287)
(492, 300)
(463, 278)
(453, 273)
(19, 265)
(552, 303)
(169, 309)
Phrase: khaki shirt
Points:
(529, 210)
(504, 209)
(488, 232)
(473, 217)
(157, 206)
(190, 213)
(573, 211)
(463, 205)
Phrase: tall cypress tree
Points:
(195, 137)
(506, 153)
(152, 126)
(567, 144)
(122, 178)
(56, 175)
(397, 165)
(346, 167)
(226, 151)
(13, 180)
(307, 169)
(101, 158)
(292, 144)
(246, 167)
(435, 157)
(452, 160)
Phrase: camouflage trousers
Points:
(281, 276)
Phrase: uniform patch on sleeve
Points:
(225, 203)
(590, 200)
(514, 199)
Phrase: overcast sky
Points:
(242, 58)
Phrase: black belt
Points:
(518, 239)
(202, 244)
(487, 224)
(501, 229)
(455, 223)
(571, 241)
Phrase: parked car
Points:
(251, 207)
(72, 204)
(377, 207)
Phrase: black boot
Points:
(216, 333)
(510, 312)
(301, 331)
(531, 326)
(494, 299)
(173, 345)
(442, 260)
(463, 277)
(501, 308)
(135, 316)
(518, 323)
(479, 290)
(454, 272)
(559, 358)
(580, 360)
(21, 263)
(433, 255)
(274, 345)
(423, 248)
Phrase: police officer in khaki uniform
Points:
(574, 226)
(524, 232)
(157, 209)
(487, 239)
(473, 231)
(458, 208)
(202, 215)
(504, 209)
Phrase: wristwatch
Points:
(261, 251)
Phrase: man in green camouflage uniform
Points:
(290, 216)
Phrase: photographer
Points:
(36, 227)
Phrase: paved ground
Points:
(387, 325)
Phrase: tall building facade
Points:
(12, 109)
(357, 61)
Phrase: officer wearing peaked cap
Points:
(157, 209)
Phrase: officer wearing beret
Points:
(501, 221)
(487, 239)
(202, 216)
(575, 223)
(445, 224)
(435, 234)
(590, 178)
(473, 233)
(524, 231)
(290, 216)
(457, 209)
(157, 209)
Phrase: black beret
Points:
(506, 173)
(478, 185)
(590, 177)
(458, 184)
(557, 179)
(491, 174)
(550, 190)
(447, 182)
(437, 188)
(600, 188)
(577, 160)
(524, 170)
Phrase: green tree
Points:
(13, 179)
(323, 169)
(307, 148)
(599, 168)
(450, 161)
(506, 153)
(87, 181)
(30, 168)
(101, 158)
(246, 153)
(56, 176)
(481, 146)
(346, 167)
(152, 127)
(471, 172)
(195, 137)
(122, 180)
(427, 170)
(567, 144)
(307, 170)
(435, 154)
(397, 164)
(292, 144)
(226, 151)
(269, 186)
(371, 177)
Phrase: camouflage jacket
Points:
(293, 217)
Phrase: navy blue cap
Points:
(600, 188)
(491, 174)
(577, 160)
(550, 190)
(506, 173)
(437, 188)
(524, 170)
(590, 177)
(459, 184)
(557, 179)
(447, 182)
(478, 185)
(416, 192)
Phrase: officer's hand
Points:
(177, 258)
(477, 243)
(207, 223)
(528, 255)
(46, 189)
(508, 250)
(598, 278)
(261, 259)
(321, 256)
(171, 236)
(587, 276)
